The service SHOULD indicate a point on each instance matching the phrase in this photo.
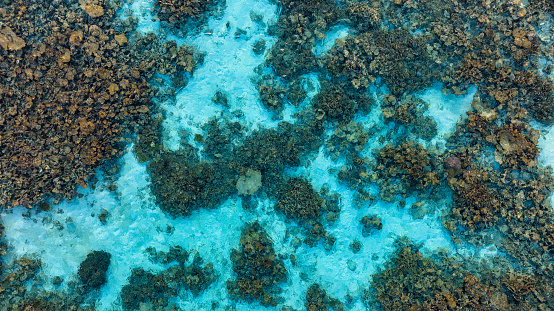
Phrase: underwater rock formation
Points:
(149, 290)
(92, 271)
(181, 185)
(257, 268)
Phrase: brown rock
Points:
(9, 40)
(76, 37)
(91, 8)
(113, 88)
(121, 39)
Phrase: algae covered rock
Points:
(92, 270)
(182, 185)
(256, 266)
(298, 200)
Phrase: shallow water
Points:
(137, 220)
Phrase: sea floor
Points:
(132, 220)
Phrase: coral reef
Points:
(396, 56)
(300, 24)
(271, 151)
(411, 281)
(370, 224)
(145, 287)
(148, 143)
(12, 280)
(2, 245)
(257, 268)
(339, 101)
(182, 185)
(516, 147)
(181, 13)
(355, 246)
(21, 290)
(272, 93)
(408, 165)
(347, 140)
(298, 200)
(153, 291)
(74, 82)
(92, 271)
(70, 93)
(472, 296)
(409, 111)
(317, 300)
(540, 5)
(407, 280)
(364, 15)
(474, 202)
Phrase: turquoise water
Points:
(137, 220)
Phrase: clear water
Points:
(62, 237)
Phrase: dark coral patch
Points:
(257, 268)
(92, 270)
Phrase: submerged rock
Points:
(154, 291)
(92, 271)
(249, 183)
(298, 200)
(317, 299)
(258, 271)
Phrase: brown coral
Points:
(475, 204)
(67, 95)
(179, 12)
(9, 40)
(520, 285)
(516, 147)
(298, 200)
(256, 266)
(408, 162)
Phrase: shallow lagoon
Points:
(62, 237)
